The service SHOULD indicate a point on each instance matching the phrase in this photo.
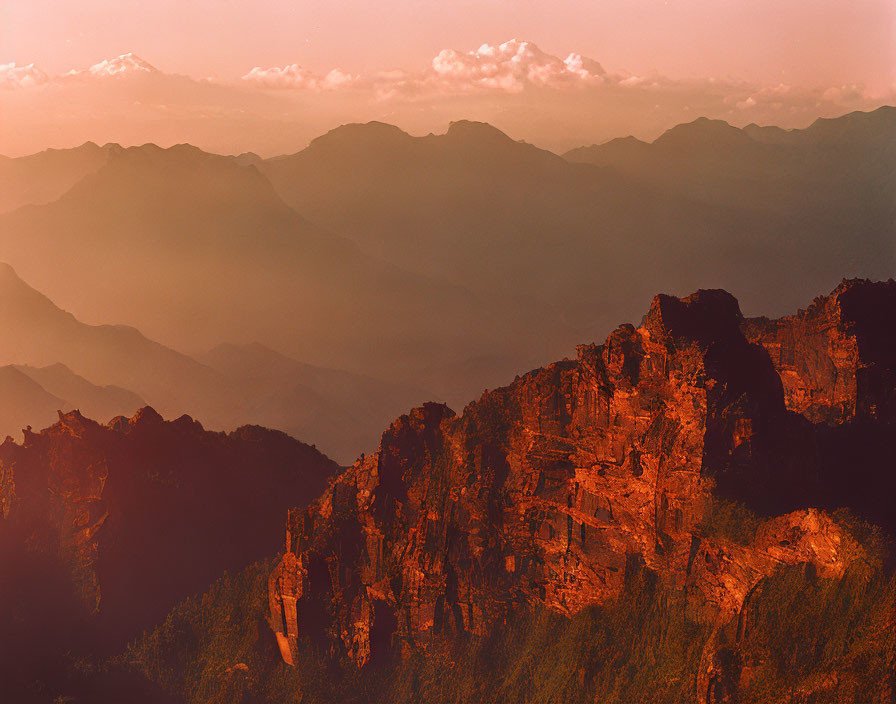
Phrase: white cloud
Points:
(292, 76)
(13, 76)
(337, 78)
(297, 77)
(512, 66)
(122, 66)
(782, 96)
(551, 101)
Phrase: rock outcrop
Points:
(837, 364)
(559, 488)
(836, 359)
(118, 522)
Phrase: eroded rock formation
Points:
(558, 488)
(837, 359)
(118, 522)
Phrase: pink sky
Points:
(795, 41)
(780, 61)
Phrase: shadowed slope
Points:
(773, 220)
(104, 528)
(199, 248)
(43, 177)
(41, 334)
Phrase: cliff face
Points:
(836, 359)
(561, 487)
(119, 522)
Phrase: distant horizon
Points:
(559, 98)
(416, 134)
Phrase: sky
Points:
(809, 48)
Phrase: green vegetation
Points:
(831, 638)
(641, 649)
(218, 648)
(805, 639)
(731, 520)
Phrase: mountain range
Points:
(697, 509)
(53, 362)
(694, 506)
(444, 263)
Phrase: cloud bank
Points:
(511, 67)
(12, 76)
(296, 77)
(552, 101)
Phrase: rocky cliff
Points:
(836, 359)
(104, 527)
(564, 486)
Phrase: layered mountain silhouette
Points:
(93, 400)
(768, 213)
(25, 402)
(837, 166)
(41, 334)
(33, 396)
(699, 508)
(447, 262)
(43, 177)
(53, 362)
(198, 249)
(334, 408)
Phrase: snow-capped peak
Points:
(128, 63)
(13, 76)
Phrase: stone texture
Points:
(558, 488)
(837, 358)
(140, 513)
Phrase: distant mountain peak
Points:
(125, 64)
(175, 155)
(705, 132)
(247, 159)
(471, 129)
(845, 127)
(11, 282)
(360, 133)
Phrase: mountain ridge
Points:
(561, 488)
(109, 370)
(106, 527)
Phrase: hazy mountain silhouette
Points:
(196, 248)
(414, 200)
(25, 402)
(105, 402)
(233, 384)
(772, 219)
(33, 396)
(839, 167)
(332, 408)
(460, 258)
(38, 333)
(43, 177)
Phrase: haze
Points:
(268, 76)
(314, 216)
